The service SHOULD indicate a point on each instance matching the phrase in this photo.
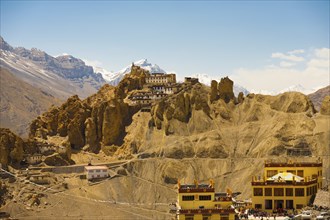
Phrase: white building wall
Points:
(93, 174)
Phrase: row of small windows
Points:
(97, 171)
(288, 191)
(206, 217)
(275, 204)
(191, 198)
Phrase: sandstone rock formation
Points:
(293, 102)
(214, 91)
(11, 147)
(325, 107)
(240, 97)
(97, 121)
(225, 88)
(178, 108)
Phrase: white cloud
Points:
(274, 78)
(287, 64)
(296, 51)
(289, 57)
(323, 53)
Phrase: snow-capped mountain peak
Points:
(114, 78)
(298, 88)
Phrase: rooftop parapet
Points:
(270, 163)
(196, 187)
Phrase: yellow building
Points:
(286, 185)
(200, 201)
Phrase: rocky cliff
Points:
(318, 96)
(11, 147)
(98, 121)
(325, 107)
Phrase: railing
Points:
(206, 211)
(271, 183)
(222, 199)
(193, 190)
(293, 164)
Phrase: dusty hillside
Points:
(318, 96)
(199, 133)
(21, 103)
(231, 143)
(204, 132)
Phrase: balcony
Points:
(284, 183)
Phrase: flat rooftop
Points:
(96, 167)
(196, 188)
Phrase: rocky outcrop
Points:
(179, 108)
(134, 80)
(325, 107)
(240, 97)
(91, 135)
(291, 102)
(214, 91)
(11, 147)
(99, 120)
(225, 89)
(114, 118)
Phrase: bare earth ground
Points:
(102, 200)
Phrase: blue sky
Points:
(218, 38)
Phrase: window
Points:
(268, 192)
(278, 204)
(288, 192)
(206, 217)
(299, 192)
(268, 204)
(257, 191)
(188, 198)
(208, 197)
(292, 171)
(224, 217)
(299, 206)
(300, 173)
(278, 192)
(189, 217)
(97, 171)
(289, 204)
(271, 173)
(258, 206)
